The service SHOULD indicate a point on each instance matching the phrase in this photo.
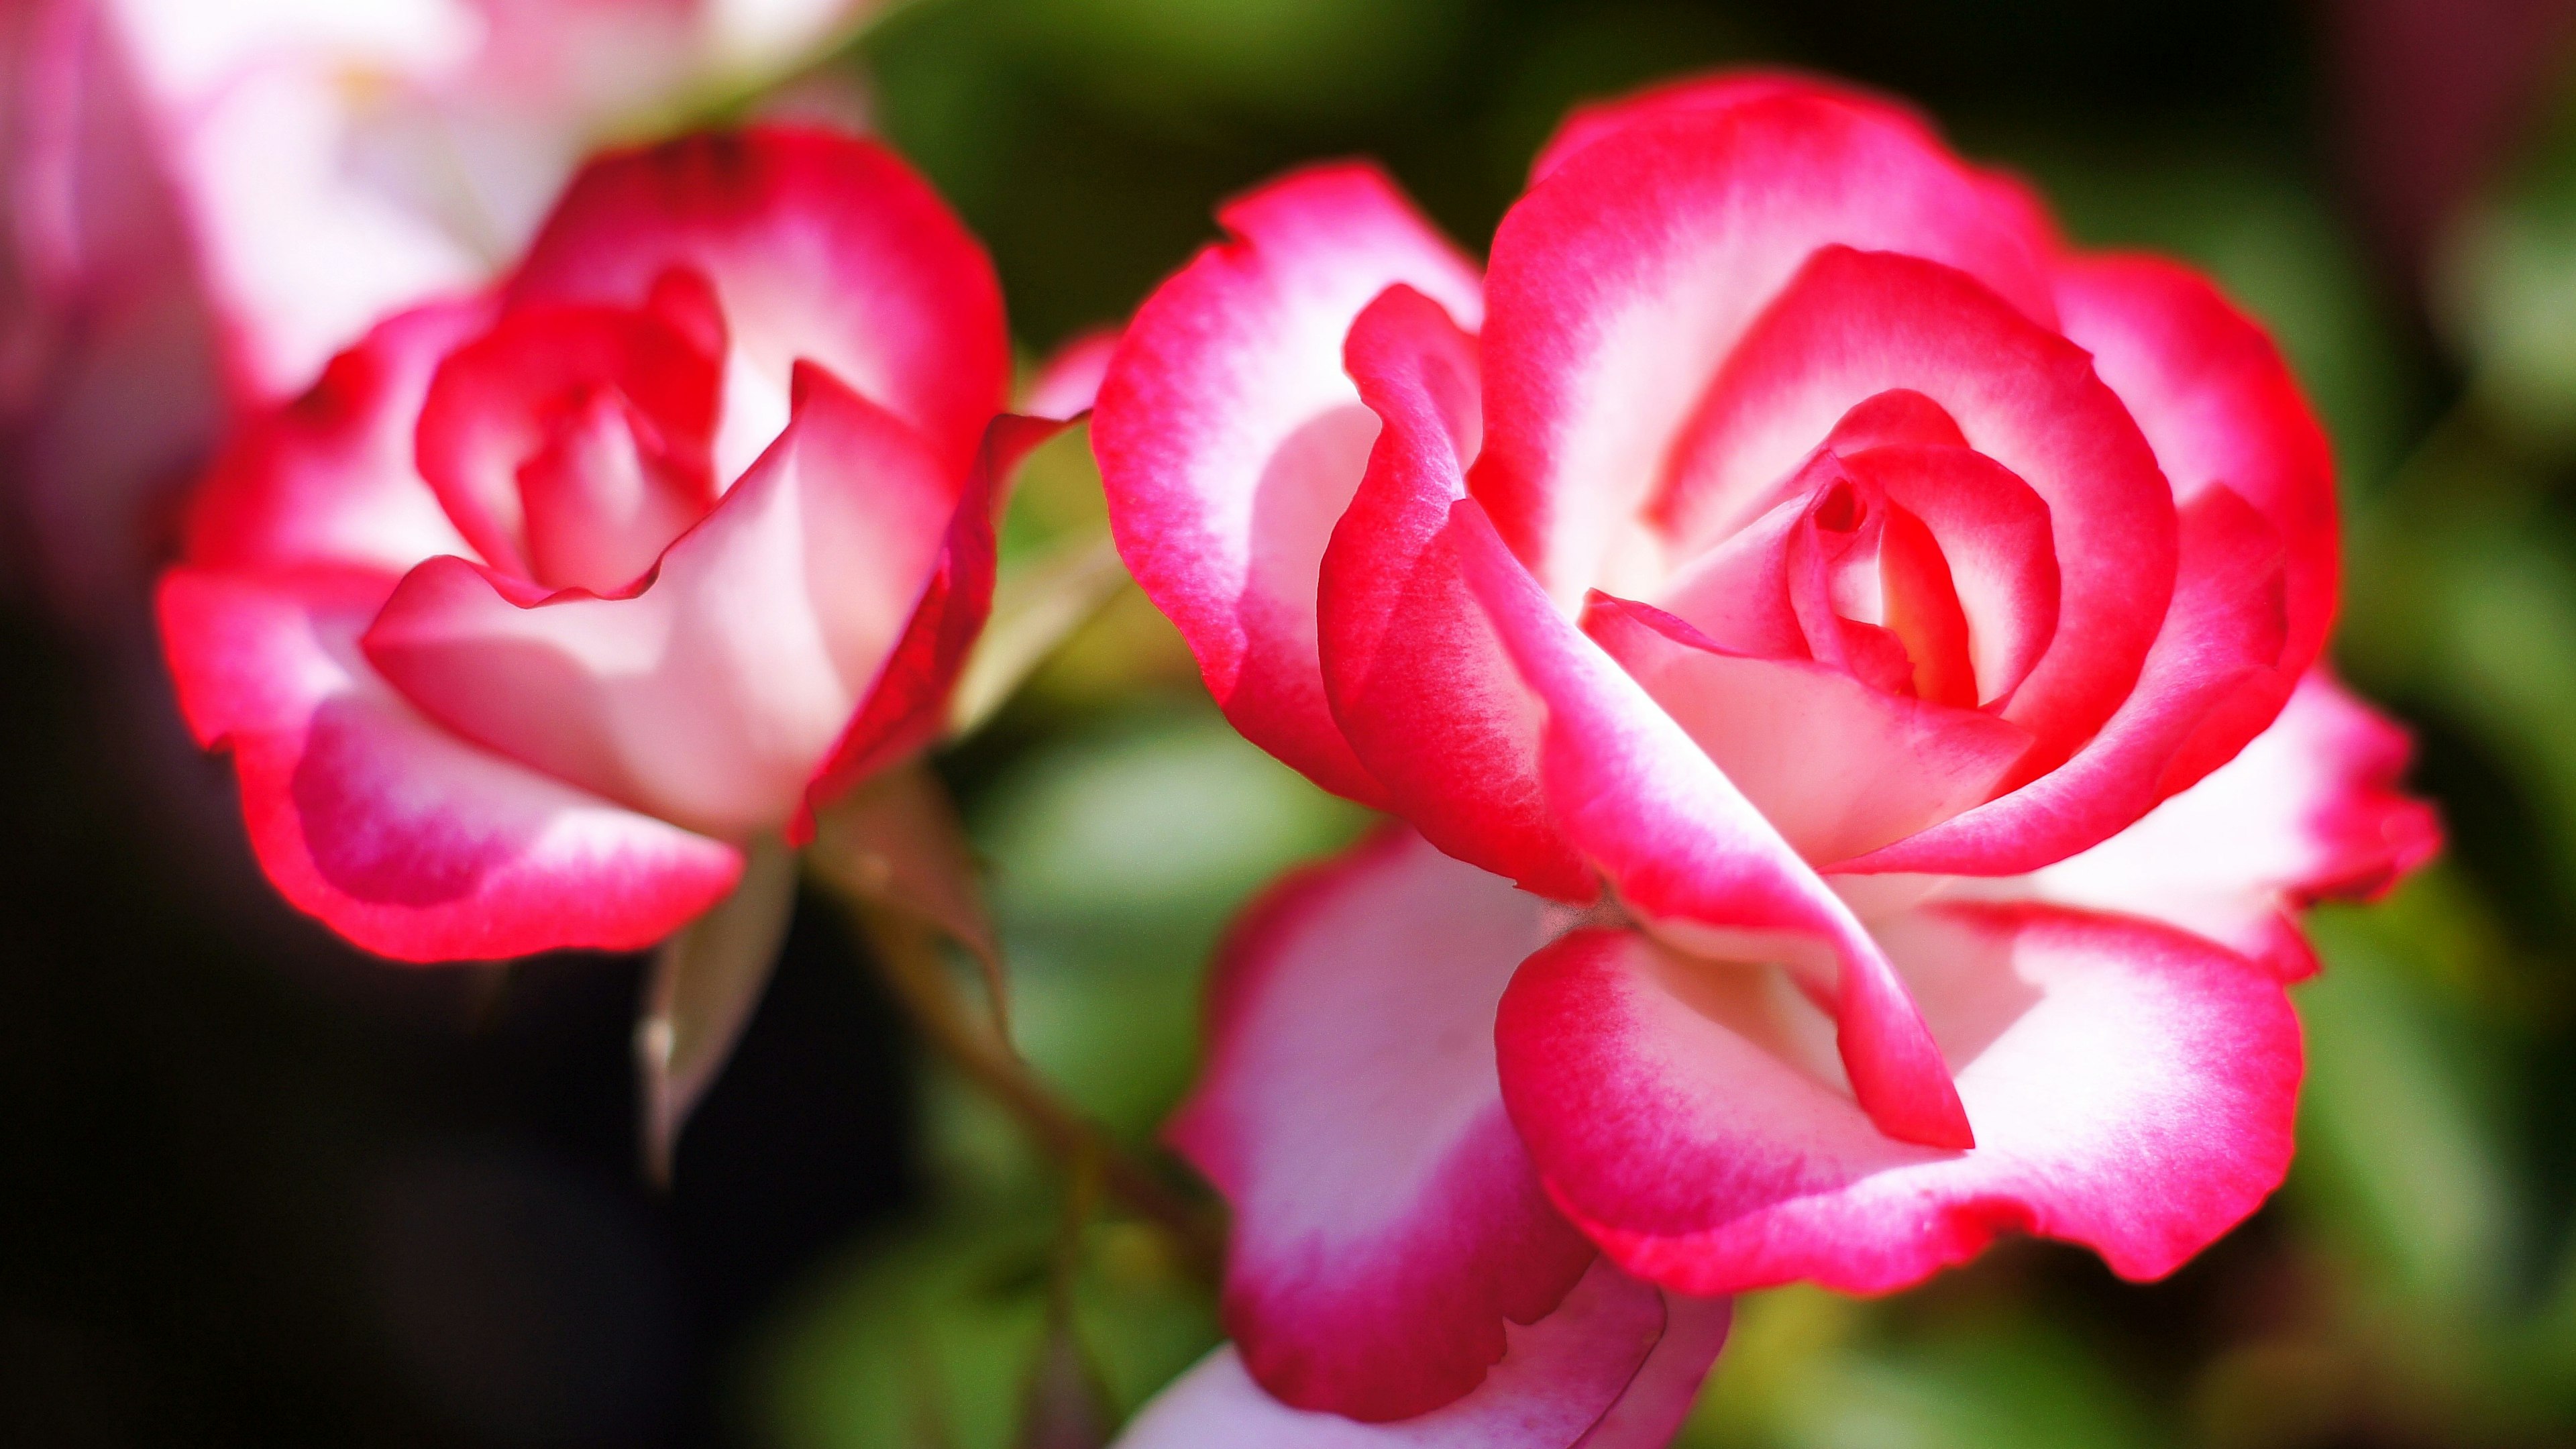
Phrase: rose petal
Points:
(2133, 1089)
(499, 403)
(1387, 1225)
(708, 696)
(1623, 280)
(1854, 325)
(1419, 684)
(1069, 383)
(1836, 766)
(406, 840)
(1725, 90)
(2309, 811)
(1687, 852)
(1996, 551)
(1614, 1368)
(328, 478)
(907, 703)
(1230, 440)
(822, 248)
(2223, 632)
(2219, 405)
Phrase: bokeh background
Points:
(257, 1190)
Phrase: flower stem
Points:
(908, 952)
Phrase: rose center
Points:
(572, 444)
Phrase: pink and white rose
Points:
(1828, 642)
(541, 605)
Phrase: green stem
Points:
(908, 952)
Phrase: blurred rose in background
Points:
(204, 202)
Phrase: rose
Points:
(205, 202)
(541, 606)
(1790, 533)
(335, 162)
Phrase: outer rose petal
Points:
(1682, 847)
(1230, 440)
(1620, 283)
(1419, 684)
(2310, 810)
(2221, 635)
(329, 478)
(2133, 1089)
(399, 836)
(908, 701)
(1387, 1223)
(822, 248)
(709, 695)
(1614, 1368)
(1705, 94)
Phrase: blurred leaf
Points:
(1170, 814)
(1118, 858)
(1800, 1375)
(1291, 59)
(921, 1343)
(1037, 605)
(1771, 1364)
(2472, 605)
(1595, 51)
(705, 983)
(1055, 496)
(939, 1335)
(2505, 286)
(2397, 1157)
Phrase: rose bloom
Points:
(201, 202)
(540, 605)
(1804, 615)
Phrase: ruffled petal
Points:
(710, 695)
(1230, 439)
(1614, 1368)
(2133, 1089)
(1387, 1225)
(1835, 765)
(328, 478)
(1622, 281)
(1418, 682)
(821, 248)
(1683, 848)
(406, 840)
(1855, 325)
(2219, 642)
(2311, 810)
